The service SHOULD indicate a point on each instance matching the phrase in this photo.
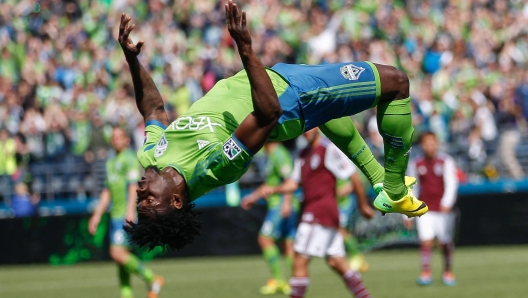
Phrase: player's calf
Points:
(352, 278)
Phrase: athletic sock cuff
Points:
(299, 281)
(351, 273)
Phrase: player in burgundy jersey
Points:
(316, 170)
(437, 187)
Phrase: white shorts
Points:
(314, 240)
(436, 224)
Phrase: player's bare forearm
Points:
(148, 99)
(363, 204)
(131, 203)
(288, 186)
(104, 202)
(266, 104)
(256, 128)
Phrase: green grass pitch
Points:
(500, 271)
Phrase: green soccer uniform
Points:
(121, 171)
(200, 145)
(278, 168)
(345, 204)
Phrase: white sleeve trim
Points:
(338, 163)
(450, 183)
(296, 173)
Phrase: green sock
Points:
(124, 282)
(272, 257)
(395, 125)
(351, 245)
(134, 265)
(345, 135)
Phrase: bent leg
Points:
(344, 134)
(395, 126)
(299, 281)
(271, 254)
(352, 278)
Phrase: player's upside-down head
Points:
(165, 215)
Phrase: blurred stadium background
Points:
(64, 84)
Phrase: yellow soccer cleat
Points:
(270, 288)
(358, 263)
(285, 288)
(408, 205)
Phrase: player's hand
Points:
(131, 216)
(130, 49)
(267, 191)
(286, 210)
(408, 223)
(93, 223)
(237, 25)
(445, 209)
(247, 202)
(366, 211)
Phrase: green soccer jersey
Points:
(278, 168)
(121, 171)
(200, 144)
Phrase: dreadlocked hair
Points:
(173, 229)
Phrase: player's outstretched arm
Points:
(363, 204)
(148, 98)
(256, 128)
(102, 206)
(286, 187)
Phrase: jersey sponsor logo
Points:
(231, 149)
(351, 72)
(190, 123)
(315, 161)
(161, 146)
(202, 143)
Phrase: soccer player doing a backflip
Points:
(212, 144)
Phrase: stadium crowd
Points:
(63, 83)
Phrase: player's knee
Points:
(402, 83)
(265, 242)
(333, 263)
(118, 255)
(395, 83)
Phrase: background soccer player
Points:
(346, 204)
(280, 222)
(212, 144)
(121, 183)
(316, 169)
(437, 186)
